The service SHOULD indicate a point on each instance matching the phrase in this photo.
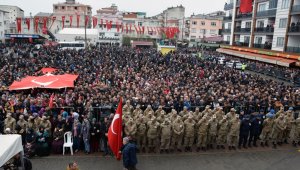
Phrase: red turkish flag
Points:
(95, 21)
(51, 101)
(78, 19)
(86, 20)
(126, 29)
(117, 25)
(115, 132)
(36, 23)
(63, 21)
(246, 6)
(143, 29)
(28, 23)
(110, 25)
(45, 20)
(19, 21)
(136, 29)
(71, 20)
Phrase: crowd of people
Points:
(155, 87)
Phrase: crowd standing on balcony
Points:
(172, 101)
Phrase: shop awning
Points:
(258, 57)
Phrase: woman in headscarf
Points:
(42, 147)
(58, 139)
(30, 142)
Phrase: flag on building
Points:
(19, 22)
(246, 6)
(115, 132)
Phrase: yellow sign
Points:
(166, 50)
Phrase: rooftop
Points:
(2, 6)
(43, 14)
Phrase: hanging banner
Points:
(27, 20)
(36, 23)
(95, 22)
(245, 6)
(143, 29)
(130, 28)
(63, 21)
(45, 20)
(86, 20)
(110, 25)
(122, 27)
(71, 20)
(117, 25)
(126, 29)
(19, 22)
(78, 19)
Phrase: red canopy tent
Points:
(48, 81)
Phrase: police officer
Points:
(244, 131)
(256, 123)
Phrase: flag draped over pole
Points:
(36, 23)
(19, 22)
(115, 132)
(78, 19)
(63, 21)
(71, 20)
(28, 23)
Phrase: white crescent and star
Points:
(43, 83)
(117, 116)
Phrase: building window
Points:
(228, 38)
(258, 40)
(248, 24)
(229, 25)
(260, 24)
(140, 23)
(212, 32)
(55, 7)
(194, 22)
(75, 7)
(246, 39)
(280, 41)
(202, 31)
(213, 24)
(62, 7)
(193, 30)
(0, 23)
(285, 4)
(282, 23)
(202, 22)
(262, 7)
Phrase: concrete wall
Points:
(294, 41)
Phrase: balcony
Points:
(243, 16)
(228, 18)
(243, 44)
(267, 13)
(264, 30)
(242, 30)
(293, 49)
(294, 30)
(226, 31)
(295, 9)
(263, 46)
(228, 6)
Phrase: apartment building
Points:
(272, 25)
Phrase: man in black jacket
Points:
(129, 154)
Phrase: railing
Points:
(244, 44)
(293, 49)
(226, 30)
(296, 8)
(264, 29)
(242, 30)
(228, 6)
(243, 16)
(263, 46)
(267, 13)
(294, 29)
(227, 18)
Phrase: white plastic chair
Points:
(68, 142)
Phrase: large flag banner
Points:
(63, 21)
(71, 20)
(28, 23)
(86, 20)
(78, 19)
(95, 22)
(246, 6)
(51, 101)
(45, 20)
(36, 23)
(115, 132)
(19, 22)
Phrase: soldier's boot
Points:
(218, 147)
(154, 150)
(198, 149)
(179, 150)
(190, 149)
(254, 145)
(274, 145)
(211, 146)
(279, 143)
(167, 150)
(161, 151)
(249, 145)
(267, 144)
(262, 144)
(244, 146)
(229, 147)
(286, 142)
(185, 149)
(171, 150)
(222, 146)
(233, 148)
(143, 150)
(239, 147)
(204, 149)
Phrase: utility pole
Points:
(85, 24)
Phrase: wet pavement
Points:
(254, 159)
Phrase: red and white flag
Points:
(19, 22)
(115, 132)
(51, 101)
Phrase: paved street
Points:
(257, 159)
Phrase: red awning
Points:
(47, 81)
(258, 57)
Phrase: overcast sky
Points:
(151, 7)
